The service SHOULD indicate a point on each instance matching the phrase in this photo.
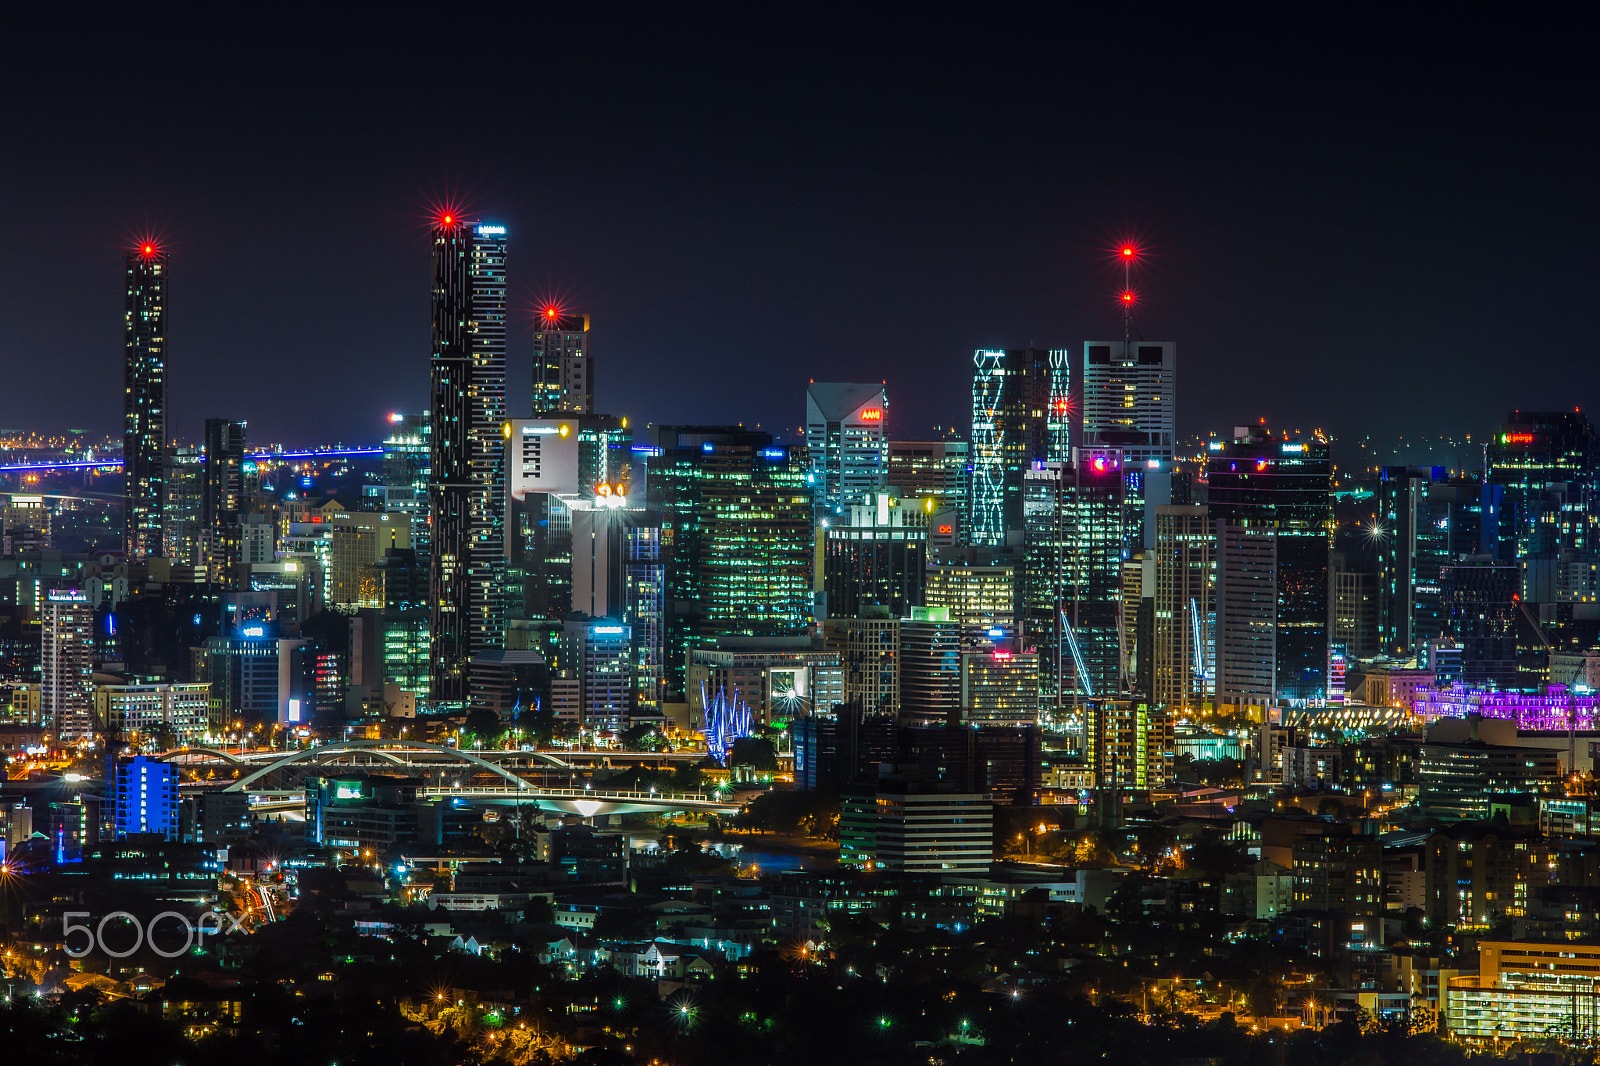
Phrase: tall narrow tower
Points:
(144, 399)
(450, 489)
(467, 462)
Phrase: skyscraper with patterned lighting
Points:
(144, 399)
(467, 461)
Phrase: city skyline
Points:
(830, 233)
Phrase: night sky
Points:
(1367, 223)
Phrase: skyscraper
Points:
(736, 536)
(1073, 539)
(875, 554)
(467, 490)
(1130, 398)
(405, 473)
(1019, 416)
(67, 665)
(845, 436)
(1183, 641)
(1543, 467)
(144, 399)
(563, 370)
(222, 498)
(1278, 489)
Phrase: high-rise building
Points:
(1247, 611)
(563, 369)
(222, 499)
(1000, 687)
(1425, 521)
(146, 797)
(1184, 568)
(1130, 399)
(144, 399)
(934, 470)
(597, 653)
(183, 529)
(405, 473)
(1281, 487)
(846, 441)
(1073, 536)
(1543, 473)
(1129, 744)
(1020, 404)
(978, 598)
(617, 572)
(468, 423)
(930, 667)
(875, 553)
(915, 828)
(736, 532)
(1479, 602)
(66, 694)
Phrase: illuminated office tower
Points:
(1129, 744)
(1542, 474)
(1000, 687)
(1073, 540)
(596, 653)
(736, 533)
(1269, 487)
(1019, 416)
(875, 555)
(222, 499)
(183, 530)
(66, 694)
(977, 598)
(844, 434)
(616, 572)
(144, 400)
(563, 369)
(1184, 568)
(1130, 398)
(467, 461)
(1425, 522)
(487, 566)
(934, 470)
(405, 473)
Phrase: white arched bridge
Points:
(451, 773)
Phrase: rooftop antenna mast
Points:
(1128, 253)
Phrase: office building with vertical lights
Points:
(1542, 473)
(846, 441)
(144, 400)
(1020, 405)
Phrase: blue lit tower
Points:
(1019, 417)
(144, 399)
(467, 460)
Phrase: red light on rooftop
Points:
(1126, 298)
(551, 312)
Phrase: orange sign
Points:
(872, 414)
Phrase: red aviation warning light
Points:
(1127, 297)
(1128, 253)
